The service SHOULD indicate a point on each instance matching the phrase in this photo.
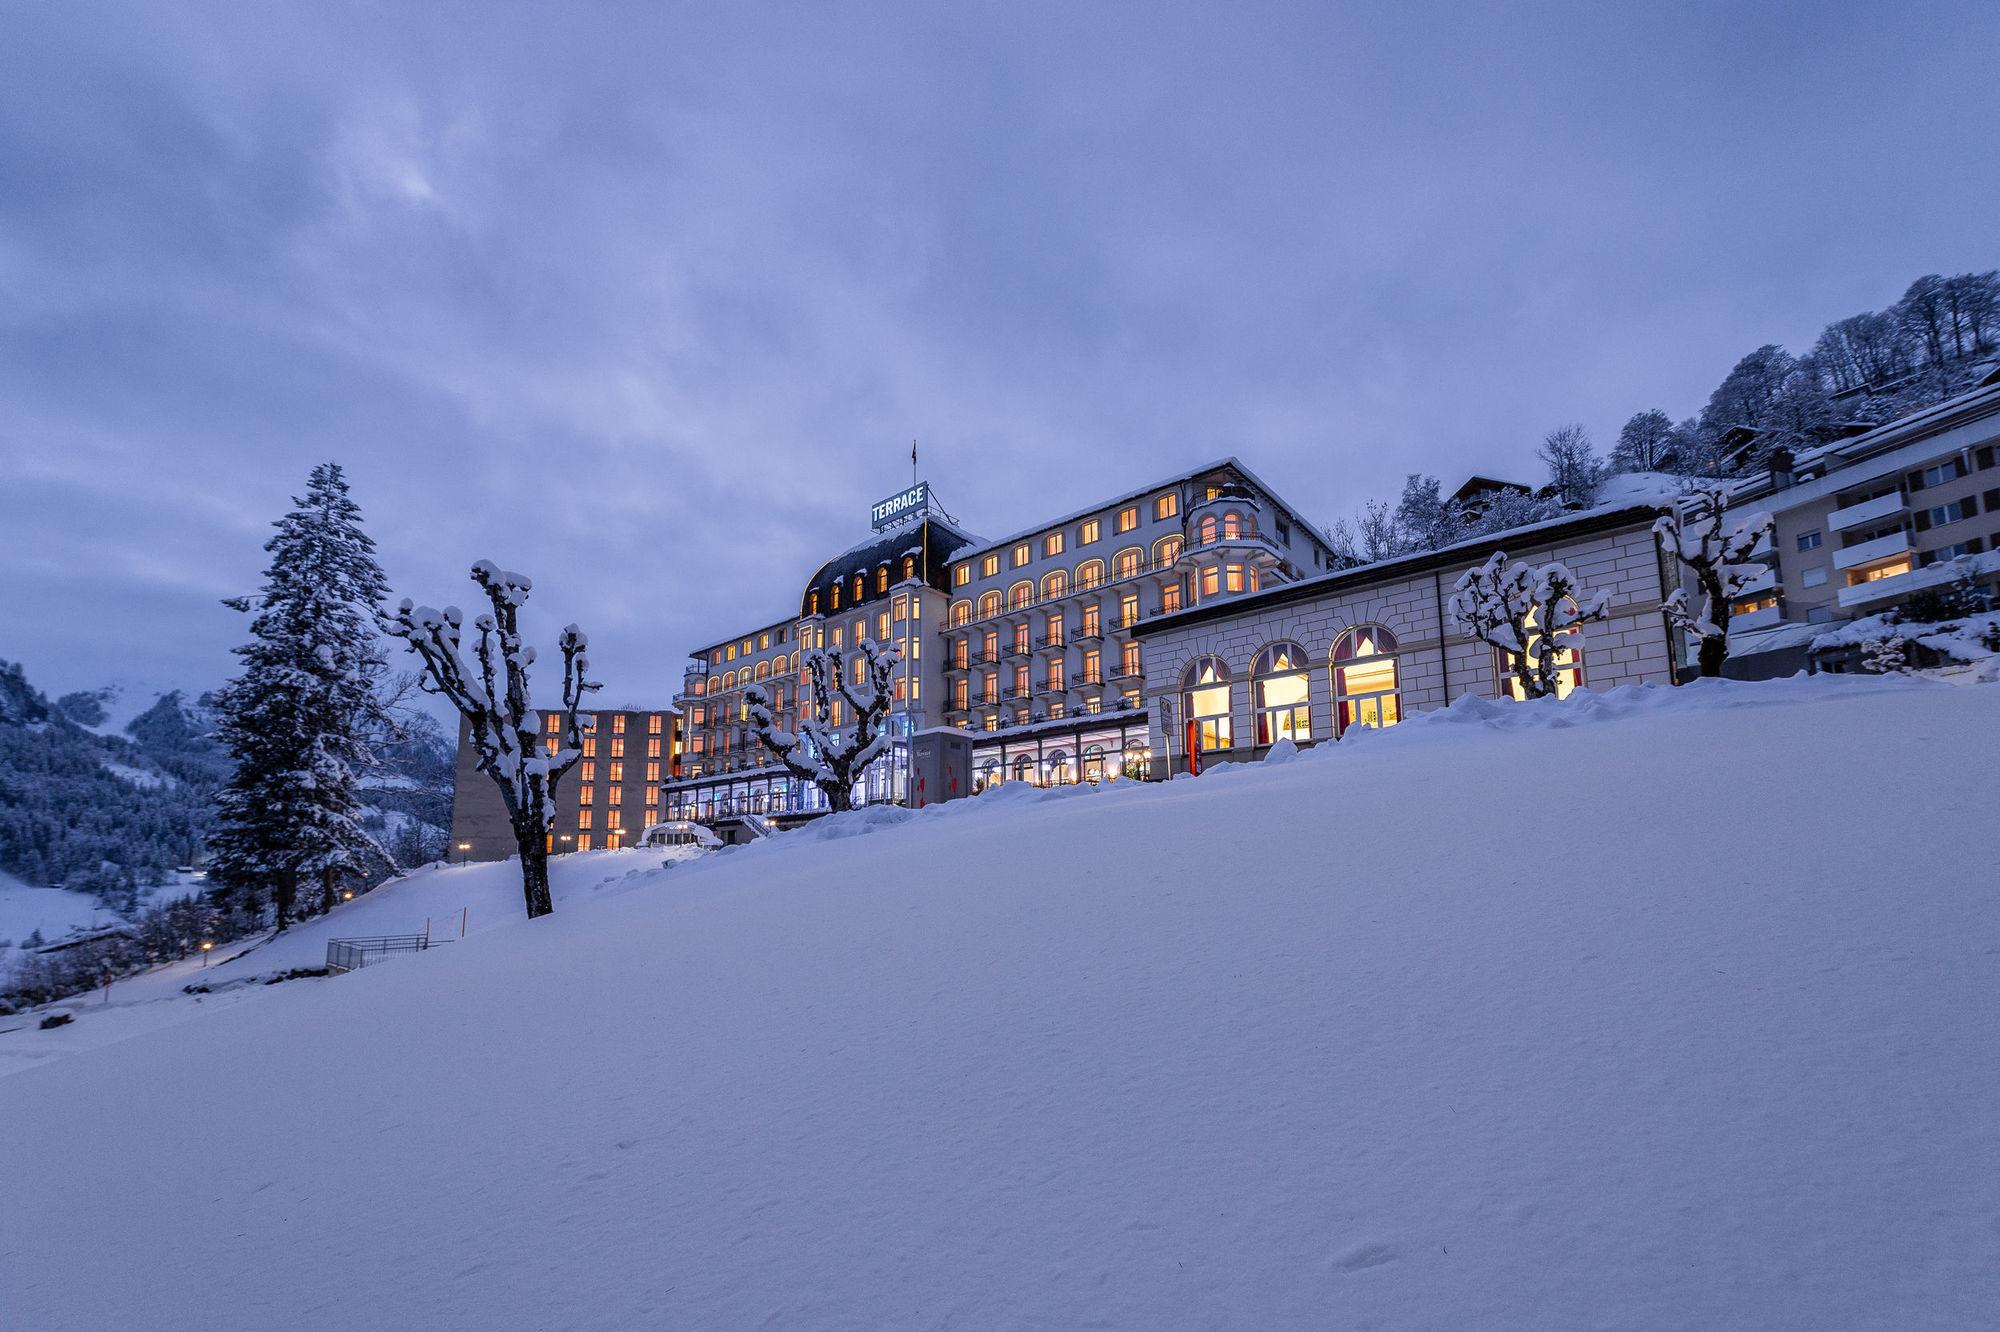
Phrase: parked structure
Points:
(606, 801)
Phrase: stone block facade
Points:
(1614, 553)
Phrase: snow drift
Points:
(1456, 1027)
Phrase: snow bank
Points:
(1454, 1027)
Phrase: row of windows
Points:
(552, 723)
(762, 641)
(590, 747)
(859, 588)
(1366, 689)
(1088, 533)
(1128, 563)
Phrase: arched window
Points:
(1232, 526)
(882, 579)
(1089, 574)
(1138, 760)
(1024, 769)
(989, 604)
(1055, 585)
(990, 774)
(1020, 596)
(1205, 704)
(1166, 551)
(1364, 679)
(1278, 689)
(860, 587)
(833, 597)
(812, 603)
(1205, 530)
(1058, 768)
(909, 567)
(1126, 563)
(961, 613)
(1093, 764)
(697, 686)
(729, 679)
(763, 670)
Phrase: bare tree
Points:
(1644, 443)
(820, 751)
(1377, 529)
(1573, 466)
(1530, 614)
(1718, 554)
(493, 697)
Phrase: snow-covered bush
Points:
(1717, 553)
(1529, 613)
(1885, 656)
(819, 751)
(493, 696)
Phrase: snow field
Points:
(1462, 1026)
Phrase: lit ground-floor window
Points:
(1278, 690)
(1365, 685)
(1569, 659)
(1205, 704)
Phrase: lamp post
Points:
(464, 848)
(205, 946)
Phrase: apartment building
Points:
(1027, 641)
(604, 802)
(1863, 523)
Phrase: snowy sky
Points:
(648, 301)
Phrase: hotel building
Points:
(1029, 643)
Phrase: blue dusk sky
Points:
(649, 301)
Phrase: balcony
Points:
(1051, 687)
(1881, 548)
(1016, 650)
(1901, 585)
(1763, 582)
(1087, 680)
(1756, 619)
(1123, 673)
(1048, 641)
(1866, 512)
(1015, 693)
(1089, 634)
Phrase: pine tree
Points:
(296, 720)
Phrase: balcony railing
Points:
(1880, 548)
(1090, 633)
(1867, 511)
(1051, 641)
(1122, 672)
(1014, 692)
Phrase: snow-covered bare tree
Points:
(1531, 614)
(1377, 530)
(1425, 518)
(1716, 551)
(822, 751)
(509, 739)
(298, 722)
(1574, 469)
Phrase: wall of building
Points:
(607, 799)
(1435, 662)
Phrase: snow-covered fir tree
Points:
(296, 720)
(1531, 614)
(509, 740)
(822, 751)
(1716, 551)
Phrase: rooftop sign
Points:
(901, 508)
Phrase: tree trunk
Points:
(839, 796)
(1714, 651)
(534, 848)
(288, 892)
(330, 885)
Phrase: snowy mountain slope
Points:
(1457, 1027)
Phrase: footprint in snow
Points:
(1364, 1256)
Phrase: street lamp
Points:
(205, 946)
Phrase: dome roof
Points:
(930, 542)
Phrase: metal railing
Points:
(1113, 578)
(354, 954)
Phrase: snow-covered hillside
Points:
(1462, 1026)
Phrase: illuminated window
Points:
(1278, 693)
(551, 722)
(1166, 551)
(617, 772)
(989, 604)
(1125, 564)
(1170, 598)
(1210, 581)
(590, 748)
(653, 726)
(613, 819)
(587, 796)
(834, 638)
(1052, 544)
(583, 841)
(989, 566)
(1205, 531)
(1856, 577)
(1087, 534)
(554, 743)
(1205, 704)
(961, 695)
(1166, 506)
(1127, 519)
(882, 579)
(652, 774)
(715, 657)
(1056, 675)
(1020, 595)
(1089, 574)
(1364, 679)
(652, 798)
(1093, 667)
(961, 613)
(860, 587)
(1232, 526)
(1570, 659)
(1235, 578)
(960, 651)
(1055, 584)
(882, 625)
(1022, 554)
(812, 603)
(583, 818)
(1092, 620)
(961, 575)
(615, 796)
(763, 670)
(1128, 663)
(617, 749)
(732, 652)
